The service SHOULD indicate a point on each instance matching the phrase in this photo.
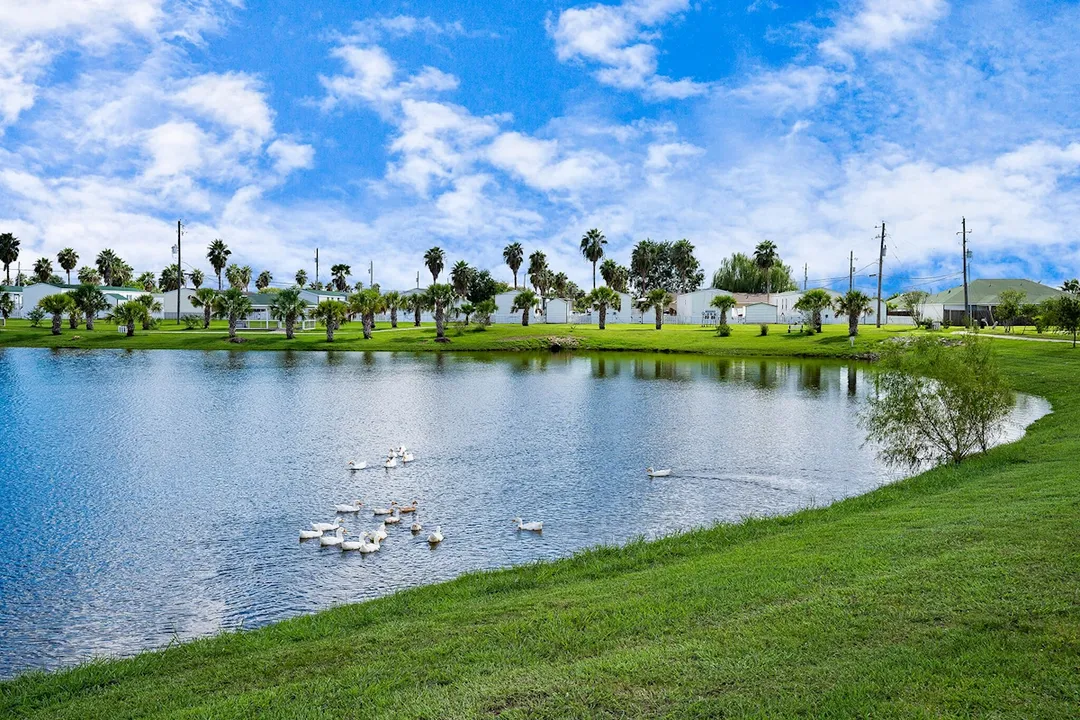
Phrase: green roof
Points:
(11, 288)
(988, 292)
(261, 298)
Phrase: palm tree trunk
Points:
(57, 319)
(603, 316)
(525, 317)
(146, 323)
(73, 320)
(232, 325)
(206, 317)
(366, 322)
(723, 317)
(659, 316)
(593, 274)
(416, 317)
(330, 326)
(290, 324)
(131, 329)
(393, 317)
(219, 280)
(440, 322)
(89, 321)
(515, 279)
(853, 326)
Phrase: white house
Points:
(16, 294)
(503, 314)
(759, 312)
(787, 314)
(983, 298)
(562, 311)
(32, 294)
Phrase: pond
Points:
(154, 496)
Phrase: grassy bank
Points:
(744, 340)
(952, 594)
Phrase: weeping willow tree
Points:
(740, 273)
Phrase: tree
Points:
(560, 285)
(482, 286)
(107, 262)
(90, 301)
(642, 262)
(525, 301)
(601, 299)
(56, 305)
(538, 267)
(1009, 307)
(152, 305)
(740, 274)
(392, 300)
(7, 305)
(765, 257)
(245, 277)
(417, 302)
(331, 313)
(688, 272)
(484, 310)
(301, 278)
(1063, 314)
(234, 276)
(466, 309)
(513, 255)
(614, 275)
(288, 307)
(147, 281)
(936, 404)
(339, 277)
(171, 278)
(122, 273)
(232, 305)
(913, 301)
(197, 278)
(434, 259)
(89, 276)
(128, 314)
(658, 299)
(441, 297)
(9, 253)
(723, 303)
(74, 316)
(68, 259)
(592, 248)
(814, 302)
(854, 304)
(204, 298)
(218, 254)
(460, 277)
(43, 270)
(263, 281)
(1071, 286)
(366, 304)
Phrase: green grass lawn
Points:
(952, 594)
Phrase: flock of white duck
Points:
(332, 534)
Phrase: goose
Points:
(385, 510)
(436, 537)
(657, 473)
(371, 546)
(392, 520)
(327, 527)
(380, 532)
(310, 534)
(346, 508)
(354, 466)
(390, 462)
(416, 527)
(336, 539)
(401, 450)
(403, 509)
(534, 526)
(407, 457)
(353, 544)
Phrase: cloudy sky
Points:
(374, 130)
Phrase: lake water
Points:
(151, 496)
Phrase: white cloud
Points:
(289, 155)
(663, 156)
(881, 24)
(620, 38)
(235, 100)
(543, 165)
(372, 30)
(793, 88)
(372, 79)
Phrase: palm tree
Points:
(608, 270)
(441, 297)
(1071, 286)
(245, 277)
(560, 285)
(152, 305)
(122, 273)
(74, 315)
(602, 298)
(127, 314)
(460, 277)
(659, 299)
(537, 267)
(147, 281)
(56, 305)
(204, 298)
(366, 304)
(233, 276)
(723, 303)
(813, 302)
(7, 306)
(686, 266)
(9, 253)
(68, 259)
(417, 302)
(642, 259)
(171, 278)
(107, 262)
(43, 269)
(288, 307)
(484, 310)
(233, 305)
(854, 304)
(513, 255)
(592, 247)
(466, 309)
(197, 278)
(765, 257)
(434, 259)
(301, 278)
(89, 276)
(392, 300)
(339, 277)
(525, 301)
(331, 313)
(263, 281)
(218, 254)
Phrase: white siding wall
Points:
(759, 313)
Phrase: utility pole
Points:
(963, 244)
(371, 273)
(804, 276)
(851, 272)
(317, 268)
(417, 279)
(180, 269)
(880, 269)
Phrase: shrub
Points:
(763, 329)
(192, 322)
(723, 330)
(35, 317)
(945, 324)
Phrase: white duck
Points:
(534, 526)
(353, 544)
(346, 508)
(436, 537)
(407, 457)
(354, 466)
(390, 462)
(392, 520)
(416, 527)
(327, 527)
(371, 546)
(336, 539)
(401, 450)
(657, 473)
(380, 532)
(385, 510)
(310, 534)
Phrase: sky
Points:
(375, 130)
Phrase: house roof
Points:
(11, 289)
(988, 292)
(115, 296)
(261, 299)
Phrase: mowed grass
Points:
(744, 340)
(952, 594)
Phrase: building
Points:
(759, 312)
(560, 310)
(31, 295)
(16, 293)
(983, 297)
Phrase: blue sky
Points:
(376, 130)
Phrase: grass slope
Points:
(952, 594)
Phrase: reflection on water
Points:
(153, 495)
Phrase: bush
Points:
(945, 324)
(192, 322)
(35, 317)
(763, 329)
(723, 330)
